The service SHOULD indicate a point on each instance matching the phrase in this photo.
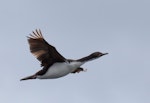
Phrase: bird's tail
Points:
(29, 77)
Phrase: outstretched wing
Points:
(45, 53)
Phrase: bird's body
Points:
(60, 69)
(53, 63)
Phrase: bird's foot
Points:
(79, 70)
(84, 70)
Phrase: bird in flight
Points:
(53, 63)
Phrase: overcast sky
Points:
(77, 28)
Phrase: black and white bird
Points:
(53, 63)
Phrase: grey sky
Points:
(77, 28)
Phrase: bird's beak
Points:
(105, 53)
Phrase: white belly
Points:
(60, 69)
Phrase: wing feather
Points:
(44, 52)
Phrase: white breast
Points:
(60, 69)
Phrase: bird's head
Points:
(98, 54)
